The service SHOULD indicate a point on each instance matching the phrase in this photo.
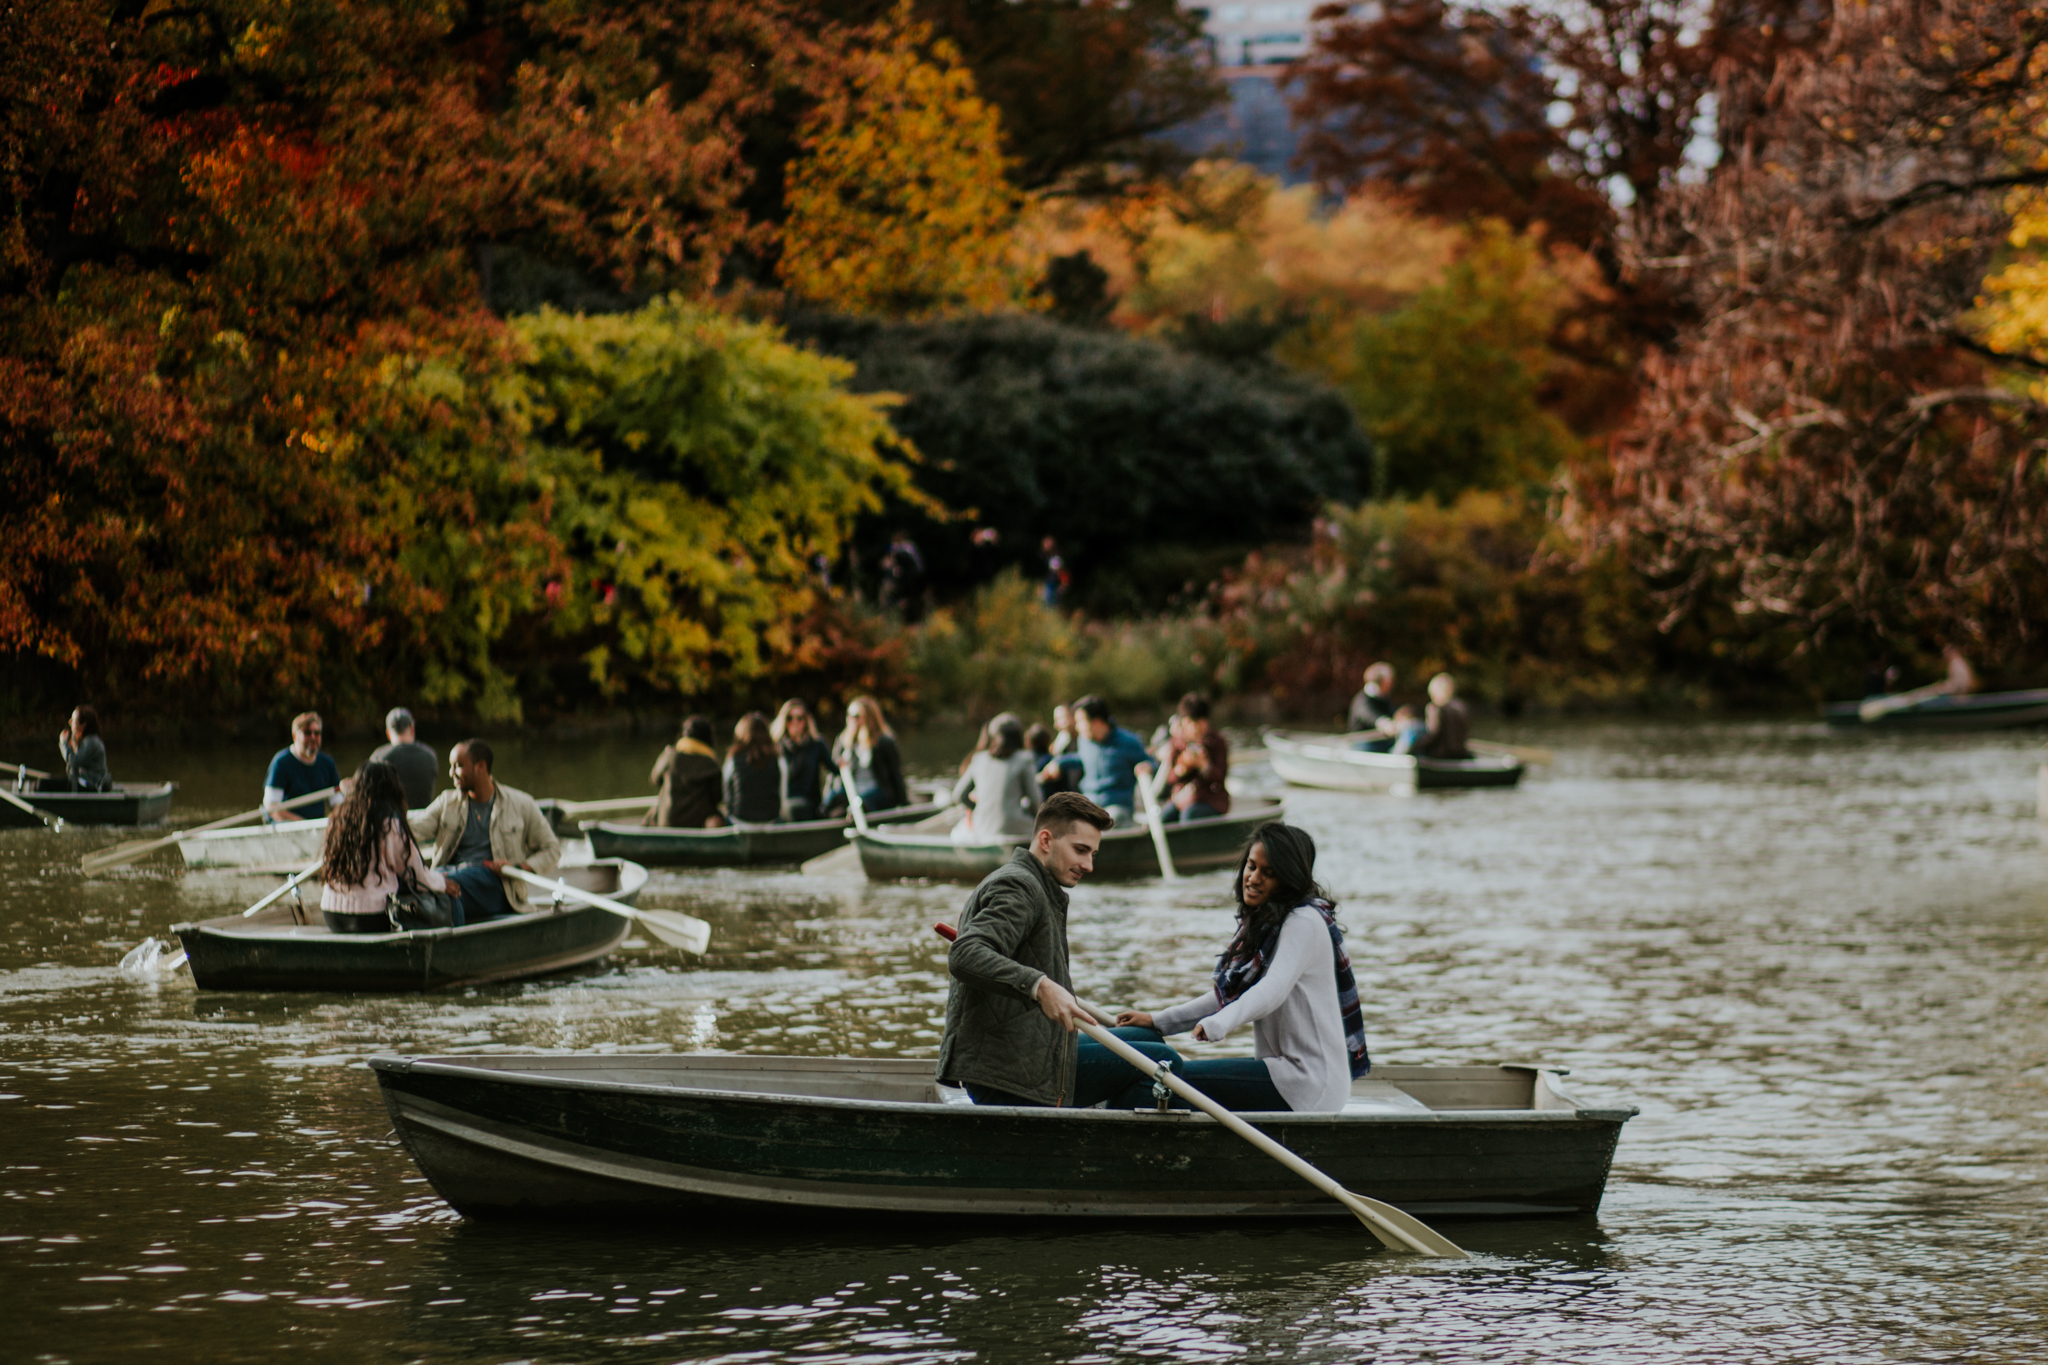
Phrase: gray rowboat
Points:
(886, 855)
(271, 952)
(134, 803)
(1310, 760)
(822, 1137)
(735, 845)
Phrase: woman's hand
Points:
(1134, 1019)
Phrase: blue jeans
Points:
(483, 894)
(1101, 1075)
(1200, 810)
(1237, 1083)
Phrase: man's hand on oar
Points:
(1395, 1229)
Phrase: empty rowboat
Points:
(132, 803)
(1311, 760)
(275, 951)
(821, 1137)
(887, 855)
(289, 843)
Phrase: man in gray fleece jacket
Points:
(1011, 1017)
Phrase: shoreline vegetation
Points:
(602, 361)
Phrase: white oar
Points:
(1877, 708)
(1166, 867)
(853, 805)
(129, 852)
(1398, 1230)
(672, 927)
(610, 803)
(1526, 753)
(11, 799)
(1401, 1231)
(308, 870)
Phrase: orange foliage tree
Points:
(239, 242)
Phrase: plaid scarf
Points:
(1238, 970)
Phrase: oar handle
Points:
(25, 770)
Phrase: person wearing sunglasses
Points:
(301, 770)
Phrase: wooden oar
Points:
(1526, 753)
(1395, 1229)
(136, 848)
(11, 799)
(610, 803)
(853, 805)
(1877, 708)
(1166, 867)
(25, 770)
(672, 927)
(308, 870)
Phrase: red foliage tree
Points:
(223, 224)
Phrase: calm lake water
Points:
(1816, 963)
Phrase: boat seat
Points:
(1369, 1096)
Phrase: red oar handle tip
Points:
(946, 932)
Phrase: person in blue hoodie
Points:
(1113, 760)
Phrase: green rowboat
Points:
(886, 855)
(274, 951)
(133, 803)
(748, 1138)
(735, 845)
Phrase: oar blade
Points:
(1401, 1231)
(677, 930)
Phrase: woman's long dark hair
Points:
(355, 833)
(1291, 858)
(751, 742)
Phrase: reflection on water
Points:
(1815, 961)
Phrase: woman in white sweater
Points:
(1286, 974)
(1004, 779)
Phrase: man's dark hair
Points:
(1194, 706)
(480, 752)
(399, 719)
(699, 729)
(1063, 810)
(1038, 739)
(1094, 707)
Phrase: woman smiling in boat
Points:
(1286, 974)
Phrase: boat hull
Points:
(1125, 853)
(134, 804)
(734, 845)
(1981, 711)
(585, 1136)
(294, 843)
(272, 953)
(1329, 761)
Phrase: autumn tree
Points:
(1827, 456)
(240, 313)
(898, 203)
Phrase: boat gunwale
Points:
(221, 926)
(458, 1069)
(1322, 747)
(684, 834)
(1268, 807)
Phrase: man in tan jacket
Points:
(481, 827)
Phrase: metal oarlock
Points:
(1161, 1096)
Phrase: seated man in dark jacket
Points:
(1011, 1016)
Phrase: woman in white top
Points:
(1286, 974)
(368, 848)
(1004, 779)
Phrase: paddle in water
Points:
(672, 927)
(1165, 854)
(1396, 1230)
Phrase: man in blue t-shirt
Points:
(1113, 760)
(300, 771)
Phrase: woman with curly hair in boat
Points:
(369, 850)
(1286, 974)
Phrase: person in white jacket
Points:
(1286, 974)
(1003, 778)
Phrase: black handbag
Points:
(413, 906)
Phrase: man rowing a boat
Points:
(1011, 1016)
(481, 827)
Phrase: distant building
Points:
(1253, 40)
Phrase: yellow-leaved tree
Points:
(2014, 309)
(900, 203)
